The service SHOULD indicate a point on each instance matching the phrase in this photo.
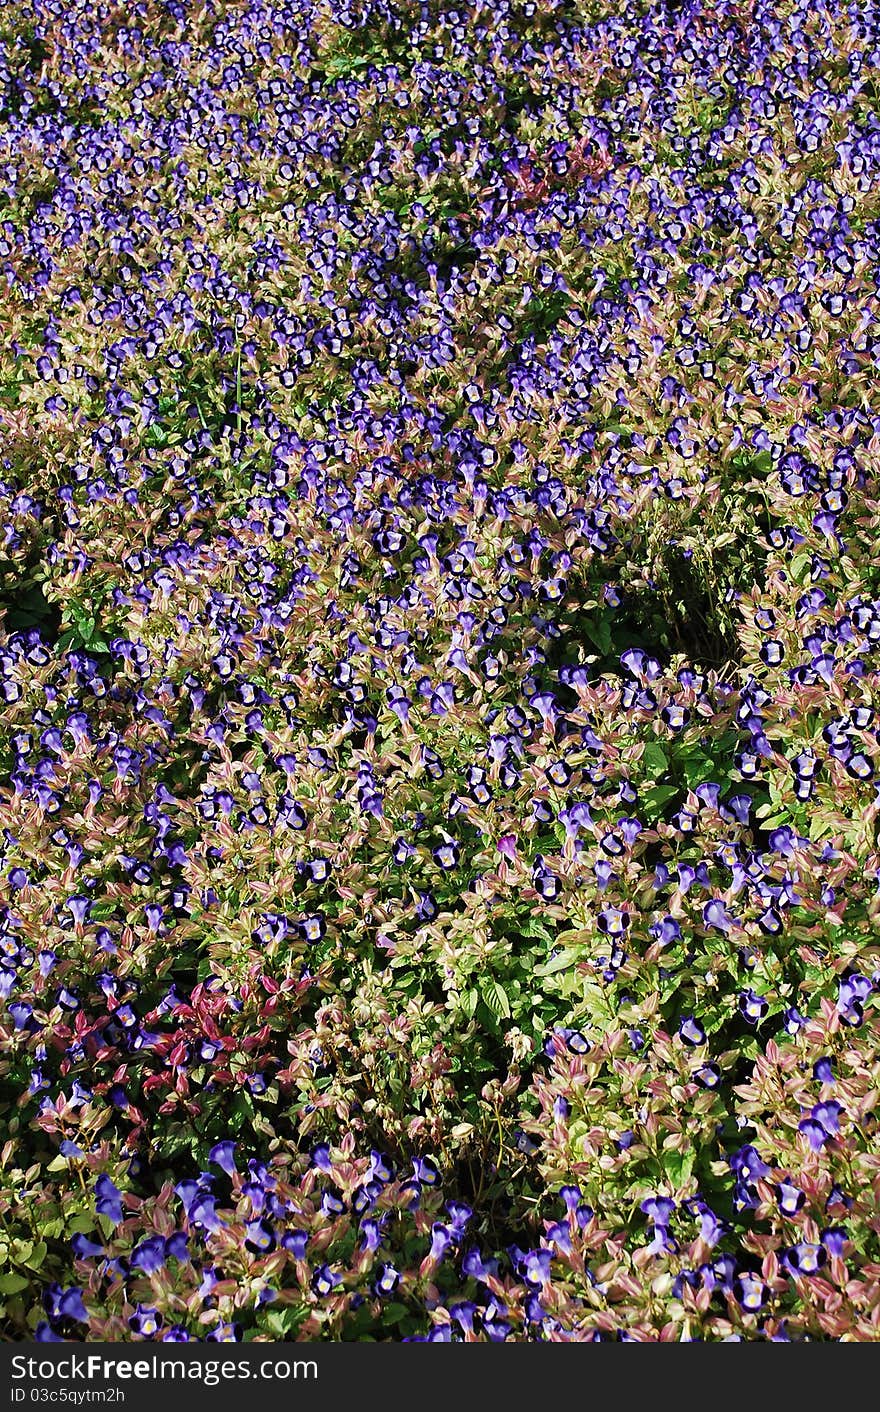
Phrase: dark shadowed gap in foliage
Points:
(684, 616)
(492, 1208)
(37, 52)
(684, 605)
(645, 621)
(541, 317)
(454, 258)
(24, 606)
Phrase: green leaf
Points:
(393, 1313)
(655, 759)
(53, 1229)
(532, 927)
(679, 1165)
(563, 962)
(83, 1224)
(750, 1048)
(12, 1283)
(654, 799)
(697, 769)
(771, 820)
(82, 617)
(798, 564)
(494, 997)
(599, 633)
(469, 1002)
(241, 1112)
(37, 1256)
(284, 1321)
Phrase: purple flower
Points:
(666, 930)
(748, 1164)
(814, 1133)
(446, 855)
(790, 1198)
(109, 1202)
(559, 1233)
(386, 1281)
(535, 1267)
(640, 664)
(44, 1333)
(459, 1215)
(753, 1006)
(834, 1240)
(65, 1304)
(85, 1249)
(149, 1255)
(202, 1213)
(659, 1209)
(425, 1171)
(475, 1267)
(852, 992)
(751, 1295)
(224, 1333)
(223, 1154)
(691, 1031)
(325, 1280)
(145, 1321)
(827, 1115)
(464, 1313)
(371, 1234)
(715, 915)
(177, 1247)
(572, 1040)
(258, 1237)
(805, 1259)
(79, 907)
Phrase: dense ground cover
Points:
(440, 619)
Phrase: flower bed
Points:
(439, 628)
